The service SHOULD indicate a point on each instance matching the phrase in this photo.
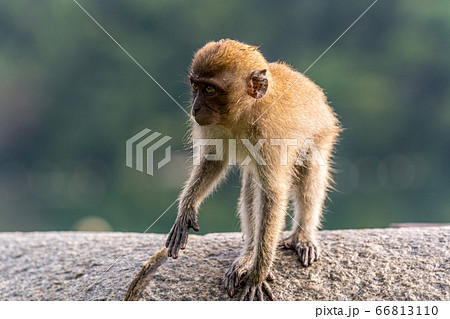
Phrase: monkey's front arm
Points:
(203, 179)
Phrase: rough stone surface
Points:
(370, 264)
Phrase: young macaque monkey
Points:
(244, 101)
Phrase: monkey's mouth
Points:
(202, 121)
(204, 106)
(205, 117)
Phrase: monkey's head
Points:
(226, 76)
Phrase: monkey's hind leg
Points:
(309, 193)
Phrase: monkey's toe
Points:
(234, 275)
(285, 244)
(307, 253)
(231, 282)
(258, 292)
(237, 272)
(270, 276)
(288, 243)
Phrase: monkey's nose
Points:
(195, 109)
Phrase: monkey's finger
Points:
(195, 226)
(237, 279)
(169, 237)
(229, 283)
(312, 256)
(303, 256)
(226, 278)
(317, 255)
(268, 291)
(284, 245)
(232, 282)
(252, 294)
(175, 251)
(245, 292)
(172, 241)
(176, 246)
(231, 289)
(259, 294)
(169, 244)
(184, 238)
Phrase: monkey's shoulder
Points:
(304, 101)
(285, 76)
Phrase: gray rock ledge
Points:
(368, 264)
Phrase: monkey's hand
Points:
(237, 272)
(178, 236)
(307, 251)
(259, 292)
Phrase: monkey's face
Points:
(211, 96)
(226, 78)
(209, 101)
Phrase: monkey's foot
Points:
(258, 292)
(237, 271)
(307, 251)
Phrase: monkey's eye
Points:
(195, 86)
(210, 89)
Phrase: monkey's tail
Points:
(142, 279)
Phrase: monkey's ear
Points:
(257, 84)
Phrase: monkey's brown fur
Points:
(253, 99)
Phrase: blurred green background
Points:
(70, 98)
